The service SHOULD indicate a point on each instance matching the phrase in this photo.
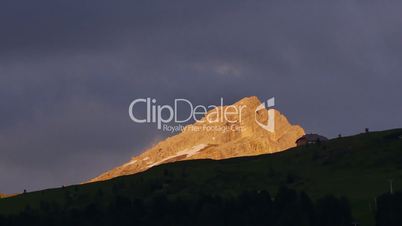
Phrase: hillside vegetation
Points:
(358, 167)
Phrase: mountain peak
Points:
(249, 101)
(217, 137)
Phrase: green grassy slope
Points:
(358, 167)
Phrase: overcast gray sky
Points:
(70, 68)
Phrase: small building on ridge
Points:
(310, 139)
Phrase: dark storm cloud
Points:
(69, 69)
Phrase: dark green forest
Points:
(288, 207)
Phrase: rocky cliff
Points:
(232, 136)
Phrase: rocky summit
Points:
(239, 133)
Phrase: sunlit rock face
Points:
(217, 137)
(5, 195)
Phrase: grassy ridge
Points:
(358, 167)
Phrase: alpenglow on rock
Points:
(209, 140)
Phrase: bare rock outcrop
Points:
(234, 136)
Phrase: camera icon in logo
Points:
(270, 126)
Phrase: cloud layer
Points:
(69, 69)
